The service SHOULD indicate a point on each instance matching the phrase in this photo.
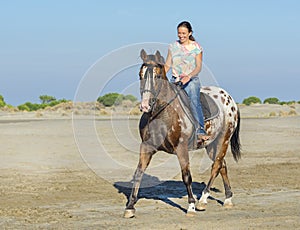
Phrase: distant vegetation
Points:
(111, 99)
(107, 100)
(116, 99)
(251, 100)
(271, 100)
(2, 102)
(46, 101)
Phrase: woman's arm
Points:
(186, 78)
(198, 67)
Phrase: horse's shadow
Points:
(155, 189)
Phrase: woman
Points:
(185, 59)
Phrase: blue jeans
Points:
(192, 89)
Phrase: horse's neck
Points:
(165, 97)
(181, 101)
(167, 92)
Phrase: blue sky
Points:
(46, 47)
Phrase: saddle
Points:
(209, 108)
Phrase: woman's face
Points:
(183, 34)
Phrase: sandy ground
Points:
(49, 178)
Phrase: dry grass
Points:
(292, 112)
(129, 108)
(272, 114)
(269, 110)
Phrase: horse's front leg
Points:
(146, 153)
(183, 157)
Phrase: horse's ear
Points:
(157, 55)
(143, 55)
(160, 59)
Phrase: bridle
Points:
(149, 81)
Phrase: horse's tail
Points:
(235, 140)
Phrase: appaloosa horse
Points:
(167, 125)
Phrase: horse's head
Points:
(152, 75)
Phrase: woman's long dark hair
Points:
(188, 26)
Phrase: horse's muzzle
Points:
(147, 105)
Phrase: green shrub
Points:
(130, 98)
(287, 102)
(2, 102)
(111, 99)
(271, 100)
(33, 106)
(23, 107)
(53, 103)
(46, 99)
(28, 106)
(291, 102)
(251, 100)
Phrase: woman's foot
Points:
(202, 138)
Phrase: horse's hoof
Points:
(191, 213)
(201, 206)
(191, 210)
(228, 203)
(129, 213)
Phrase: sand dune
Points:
(53, 178)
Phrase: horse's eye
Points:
(141, 74)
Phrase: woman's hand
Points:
(184, 78)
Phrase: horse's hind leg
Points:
(145, 158)
(219, 153)
(228, 193)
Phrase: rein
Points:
(164, 106)
(154, 93)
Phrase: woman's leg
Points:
(192, 89)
